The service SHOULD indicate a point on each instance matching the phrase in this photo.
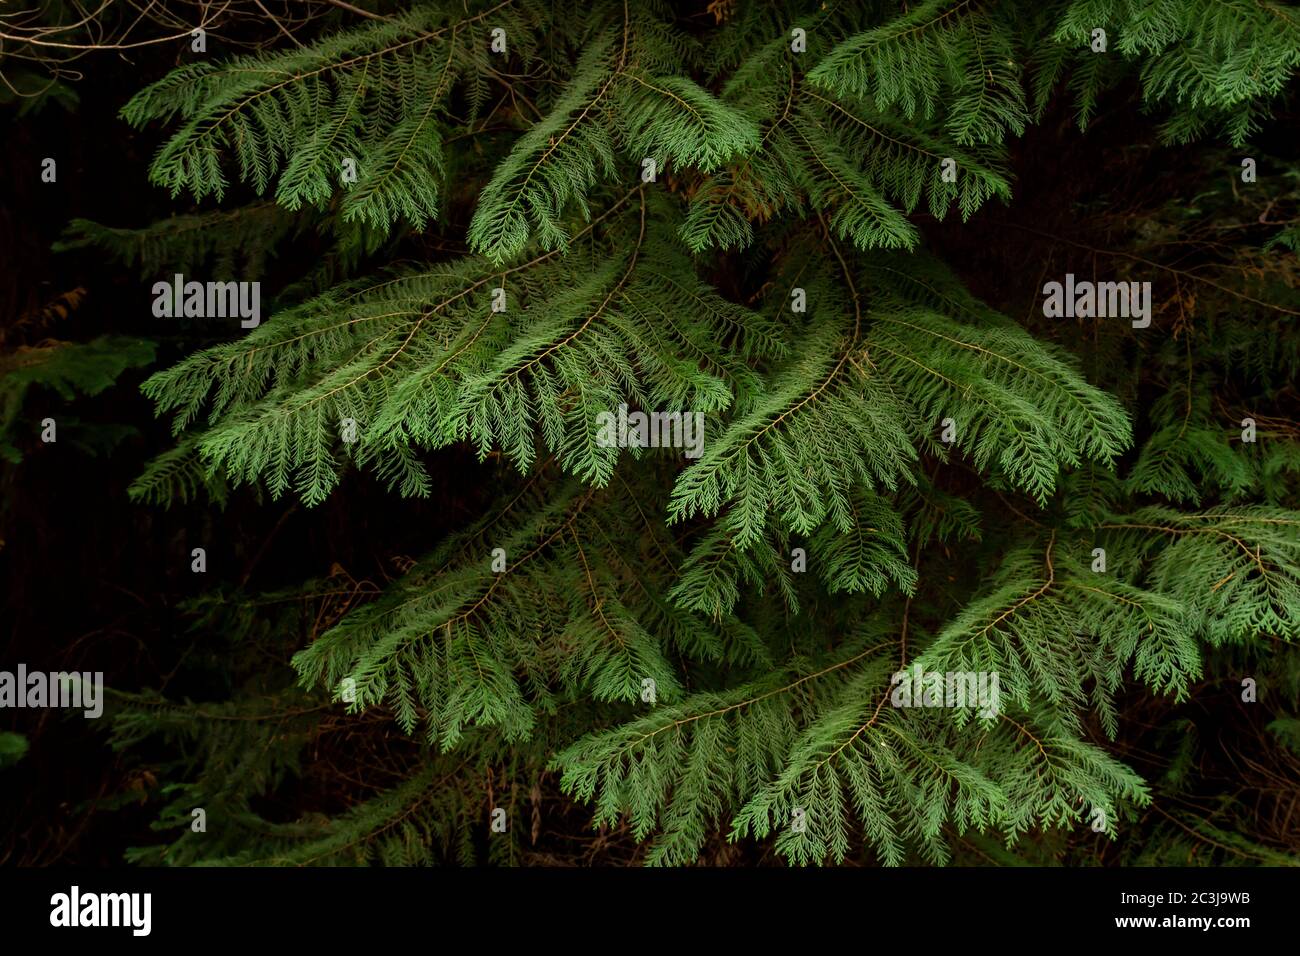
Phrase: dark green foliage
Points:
(778, 174)
(69, 369)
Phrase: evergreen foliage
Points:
(69, 369)
(781, 176)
